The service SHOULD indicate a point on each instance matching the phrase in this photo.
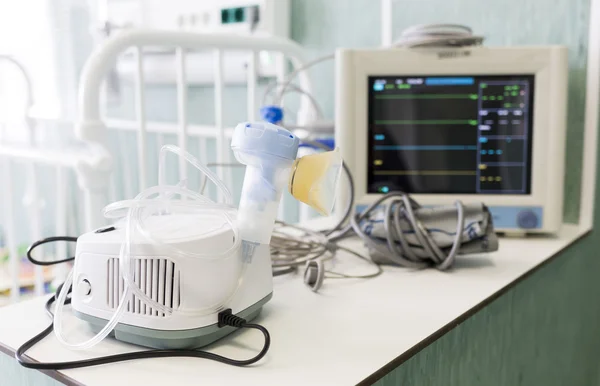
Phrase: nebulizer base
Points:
(133, 244)
(161, 285)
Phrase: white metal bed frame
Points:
(93, 162)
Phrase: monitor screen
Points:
(450, 134)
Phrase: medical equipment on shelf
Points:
(144, 273)
(180, 274)
(445, 123)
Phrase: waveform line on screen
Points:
(425, 172)
(425, 147)
(507, 164)
(427, 96)
(472, 122)
(502, 191)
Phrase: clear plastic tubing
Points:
(134, 220)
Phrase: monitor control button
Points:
(527, 219)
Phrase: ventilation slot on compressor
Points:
(157, 278)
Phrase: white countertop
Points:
(340, 336)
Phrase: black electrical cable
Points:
(46, 241)
(225, 318)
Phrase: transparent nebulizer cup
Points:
(269, 153)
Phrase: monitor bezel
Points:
(547, 64)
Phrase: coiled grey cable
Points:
(400, 204)
(437, 35)
(289, 251)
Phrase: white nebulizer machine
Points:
(177, 269)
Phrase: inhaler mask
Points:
(314, 179)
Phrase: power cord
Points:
(225, 318)
(437, 35)
(48, 240)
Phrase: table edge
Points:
(411, 352)
(54, 374)
(402, 358)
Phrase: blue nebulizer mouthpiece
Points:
(268, 151)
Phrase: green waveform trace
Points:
(427, 96)
(472, 122)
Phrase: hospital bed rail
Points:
(93, 125)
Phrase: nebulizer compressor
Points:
(178, 271)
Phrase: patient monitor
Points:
(447, 124)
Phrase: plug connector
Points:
(227, 318)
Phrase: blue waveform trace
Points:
(454, 81)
